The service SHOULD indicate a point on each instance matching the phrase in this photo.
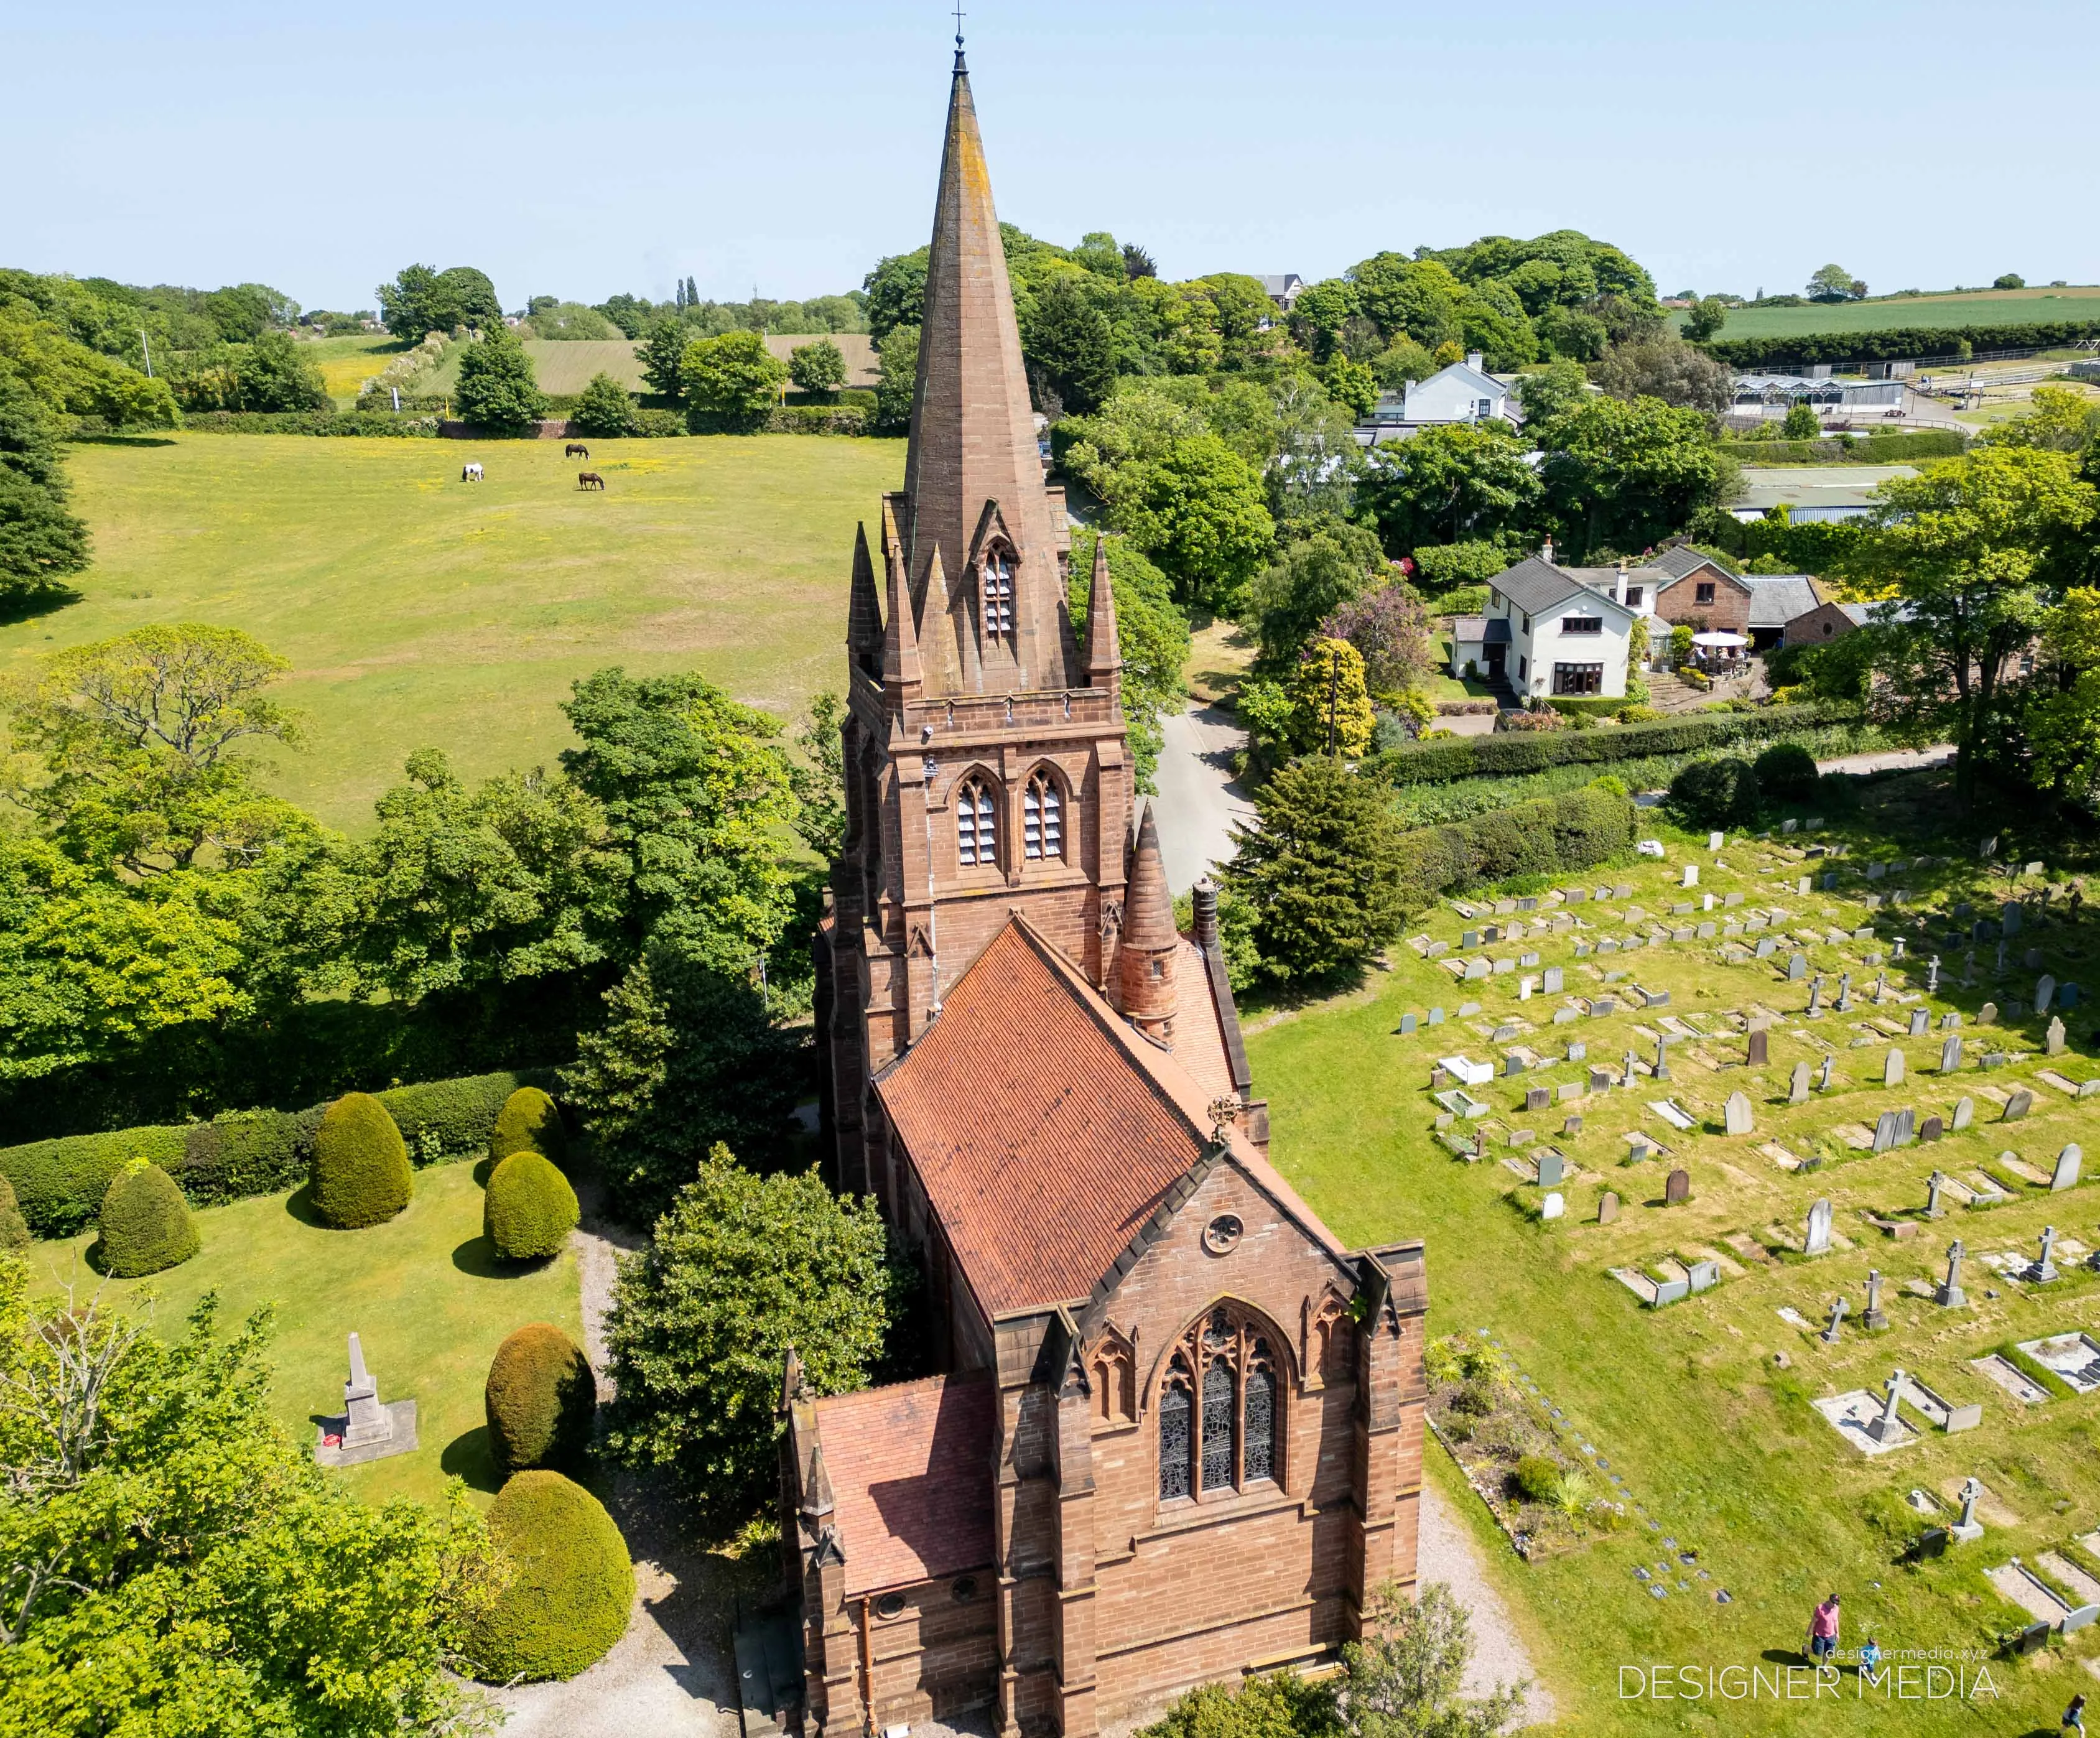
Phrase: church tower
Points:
(985, 768)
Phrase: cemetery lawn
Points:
(417, 610)
(1716, 1440)
(424, 1291)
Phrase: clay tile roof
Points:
(911, 1465)
(1199, 1037)
(1044, 1130)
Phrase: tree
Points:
(1492, 320)
(1151, 632)
(1068, 348)
(1552, 391)
(1281, 1704)
(1406, 1679)
(603, 408)
(896, 293)
(820, 367)
(572, 322)
(470, 298)
(662, 356)
(740, 1271)
(1802, 423)
(70, 377)
(1960, 550)
(1621, 475)
(734, 377)
(629, 313)
(897, 378)
(1704, 321)
(497, 390)
(1311, 578)
(1450, 483)
(422, 299)
(1197, 512)
(1418, 299)
(1390, 630)
(28, 435)
(40, 542)
(2061, 716)
(1330, 712)
(1136, 263)
(1320, 315)
(175, 1563)
(1321, 868)
(1835, 283)
(1310, 464)
(1353, 387)
(1668, 368)
(2063, 420)
(274, 374)
(2008, 280)
(820, 778)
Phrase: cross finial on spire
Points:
(959, 36)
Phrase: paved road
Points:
(1197, 802)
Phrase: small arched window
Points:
(976, 825)
(1258, 1437)
(1042, 818)
(997, 585)
(1177, 1441)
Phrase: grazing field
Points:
(348, 361)
(417, 609)
(567, 364)
(1992, 307)
(425, 1293)
(1703, 1407)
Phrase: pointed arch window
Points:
(997, 584)
(1042, 818)
(976, 825)
(1220, 1424)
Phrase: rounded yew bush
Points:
(361, 1175)
(1787, 771)
(1714, 793)
(540, 1398)
(528, 1123)
(530, 1209)
(146, 1225)
(572, 1585)
(14, 1228)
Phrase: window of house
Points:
(1522, 672)
(999, 592)
(1219, 1428)
(1702, 592)
(976, 825)
(1582, 624)
(1527, 624)
(1826, 630)
(1635, 594)
(1578, 679)
(1042, 818)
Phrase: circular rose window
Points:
(1223, 1232)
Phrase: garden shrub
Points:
(1716, 792)
(14, 1228)
(1786, 771)
(60, 1183)
(246, 1153)
(1548, 836)
(1536, 1478)
(444, 1119)
(530, 1209)
(1475, 1398)
(360, 1171)
(528, 1123)
(571, 1585)
(146, 1225)
(1637, 713)
(540, 1398)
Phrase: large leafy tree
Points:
(1415, 299)
(1453, 483)
(733, 376)
(1197, 511)
(68, 376)
(1625, 475)
(1960, 552)
(741, 1269)
(42, 542)
(897, 378)
(896, 293)
(1311, 578)
(819, 367)
(1406, 1679)
(496, 389)
(170, 1562)
(1152, 631)
(275, 374)
(423, 299)
(1670, 369)
(2063, 711)
(663, 357)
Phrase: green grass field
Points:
(424, 1293)
(1989, 307)
(346, 362)
(1691, 1403)
(419, 609)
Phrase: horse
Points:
(589, 479)
(575, 449)
(470, 473)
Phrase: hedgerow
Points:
(1573, 831)
(1898, 342)
(310, 423)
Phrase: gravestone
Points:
(1838, 1306)
(2053, 1042)
(1988, 1014)
(1965, 1114)
(2018, 1106)
(1885, 1132)
(1538, 1098)
(2044, 993)
(1553, 980)
(1823, 1078)
(1577, 1050)
(1816, 1241)
(1572, 1124)
(1948, 1293)
(1950, 1054)
(1551, 1168)
(1932, 1128)
(2010, 919)
(1969, 1529)
(1478, 968)
(368, 1420)
(2043, 1271)
(1436, 1016)
(1797, 1093)
(1661, 1060)
(1736, 1114)
(1678, 1187)
(1691, 875)
(1815, 1009)
(1407, 1023)
(1552, 1207)
(1797, 968)
(1600, 1080)
(1760, 1049)
(1631, 1074)
(2067, 1162)
(1470, 938)
(1920, 1021)
(1933, 1184)
(1884, 1429)
(1892, 1069)
(1845, 993)
(1608, 1207)
(1932, 975)
(1767, 947)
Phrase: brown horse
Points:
(589, 479)
(575, 449)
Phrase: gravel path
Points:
(1448, 1553)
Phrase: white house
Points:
(1284, 287)
(1463, 392)
(1554, 631)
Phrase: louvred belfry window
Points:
(999, 592)
(1220, 1431)
(976, 825)
(1042, 818)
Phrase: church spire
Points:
(1145, 961)
(900, 642)
(973, 473)
(1104, 654)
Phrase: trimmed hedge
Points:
(146, 1225)
(1473, 756)
(1875, 449)
(570, 1588)
(14, 1228)
(310, 423)
(528, 1123)
(60, 1183)
(361, 1174)
(529, 1209)
(540, 1399)
(1548, 836)
(1896, 343)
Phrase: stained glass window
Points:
(1174, 1442)
(1259, 1441)
(1042, 818)
(977, 828)
(1217, 1409)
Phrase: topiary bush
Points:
(540, 1399)
(146, 1225)
(571, 1586)
(361, 1175)
(1714, 793)
(529, 1210)
(528, 1123)
(1787, 771)
(14, 1228)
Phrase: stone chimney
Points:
(1204, 932)
(1145, 959)
(1473, 358)
(1545, 552)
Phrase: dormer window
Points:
(1043, 818)
(998, 591)
(977, 826)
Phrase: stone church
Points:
(1176, 1437)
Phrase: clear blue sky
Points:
(577, 151)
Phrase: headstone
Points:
(1932, 1185)
(1797, 1092)
(1822, 1077)
(1551, 1168)
(1678, 1187)
(2044, 993)
(1797, 968)
(1767, 947)
(1787, 825)
(1713, 841)
(1407, 1025)
(2011, 917)
(1470, 938)
(1817, 1241)
(1552, 1207)
(1920, 1023)
(1815, 998)
(1436, 1016)
(1969, 1529)
(1760, 1049)
(2043, 1272)
(2018, 1105)
(368, 1420)
(1885, 1428)
(1892, 1069)
(1538, 1098)
(1737, 1113)
(1630, 1075)
(1932, 1128)
(1838, 1306)
(1948, 1293)
(1478, 968)
(1600, 1080)
(1965, 1114)
(1553, 980)
(1572, 1125)
(1661, 1058)
(1845, 993)
(1691, 875)
(1950, 1054)
(1988, 1014)
(1885, 1132)
(1932, 975)
(2052, 1041)
(2067, 1162)
(1608, 1207)
(1577, 1050)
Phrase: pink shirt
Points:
(1825, 1620)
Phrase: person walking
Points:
(2074, 1716)
(1823, 1632)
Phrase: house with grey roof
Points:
(1550, 631)
(1776, 600)
(1463, 392)
(1284, 287)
